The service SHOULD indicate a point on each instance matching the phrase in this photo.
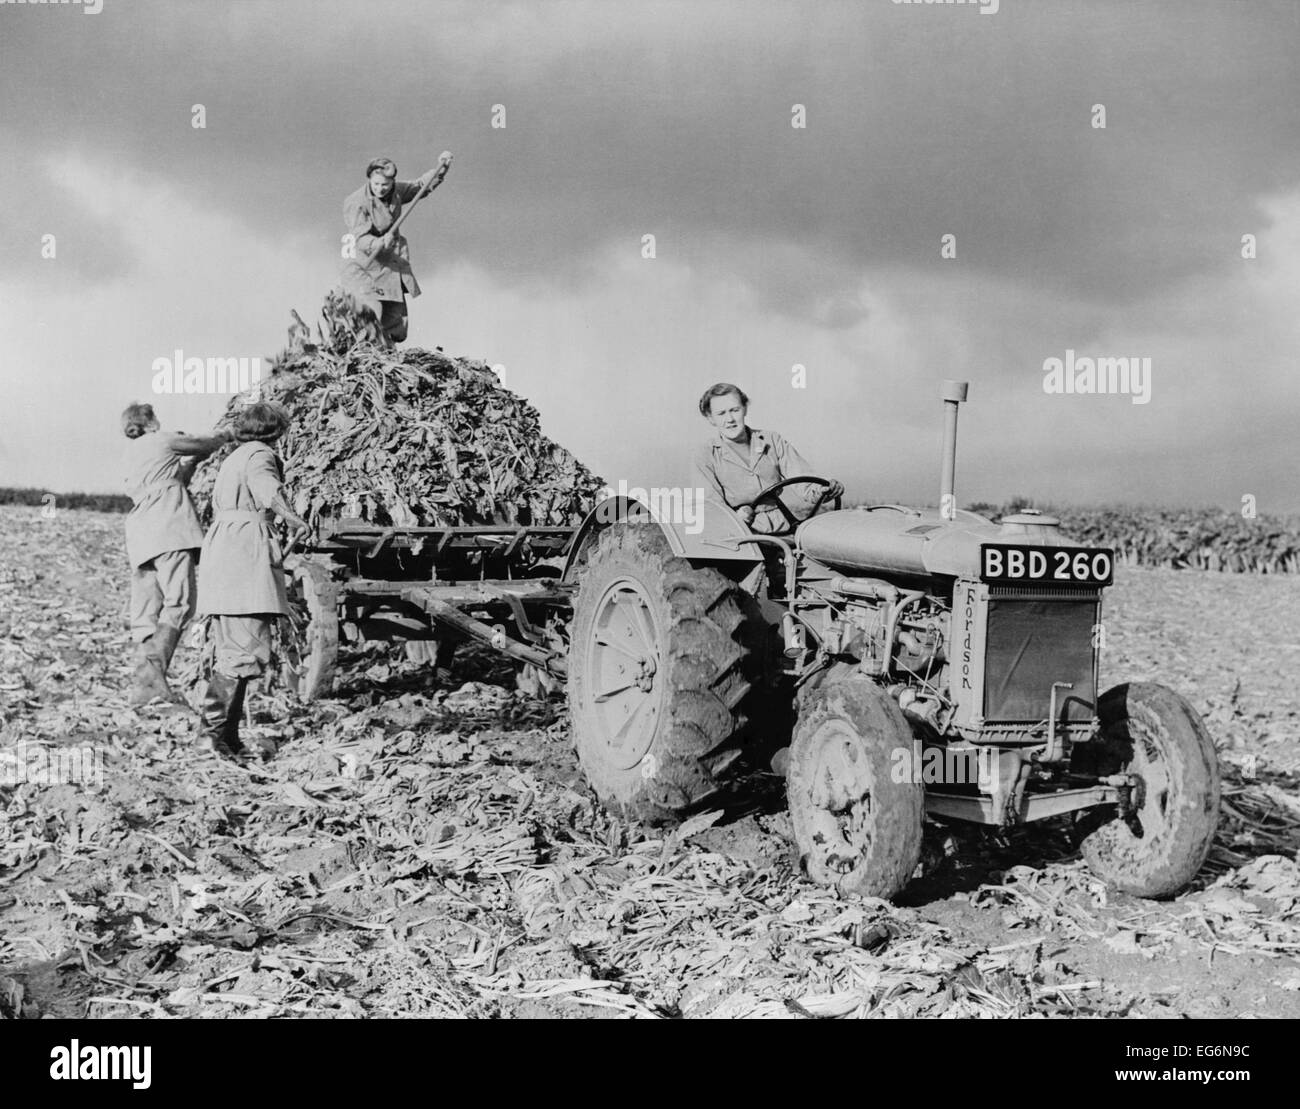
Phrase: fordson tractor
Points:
(893, 663)
(938, 663)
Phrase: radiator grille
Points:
(1044, 593)
(1034, 640)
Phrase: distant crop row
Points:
(40, 498)
(1182, 538)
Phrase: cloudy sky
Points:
(775, 246)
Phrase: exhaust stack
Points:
(954, 392)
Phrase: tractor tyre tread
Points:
(1162, 863)
(705, 661)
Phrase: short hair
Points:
(721, 389)
(385, 164)
(261, 422)
(137, 419)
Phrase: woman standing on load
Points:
(241, 572)
(377, 272)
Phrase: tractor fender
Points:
(709, 535)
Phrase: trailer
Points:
(496, 583)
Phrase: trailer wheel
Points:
(1155, 737)
(658, 676)
(313, 596)
(857, 827)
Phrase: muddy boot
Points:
(148, 680)
(219, 716)
(258, 747)
(162, 645)
(233, 718)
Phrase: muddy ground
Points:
(412, 849)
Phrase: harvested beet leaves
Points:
(407, 437)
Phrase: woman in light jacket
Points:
(241, 573)
(163, 538)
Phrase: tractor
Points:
(892, 663)
(935, 664)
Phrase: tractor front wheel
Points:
(857, 820)
(1154, 738)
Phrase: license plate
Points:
(1013, 562)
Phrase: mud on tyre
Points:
(659, 676)
(857, 827)
(1153, 735)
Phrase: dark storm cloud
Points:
(674, 119)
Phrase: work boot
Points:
(162, 646)
(149, 680)
(235, 715)
(219, 716)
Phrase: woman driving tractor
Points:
(741, 462)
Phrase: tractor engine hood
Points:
(890, 538)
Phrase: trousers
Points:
(162, 591)
(391, 315)
(242, 644)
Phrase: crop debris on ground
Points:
(425, 849)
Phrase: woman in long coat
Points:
(241, 572)
(378, 275)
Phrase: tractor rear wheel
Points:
(1157, 739)
(857, 827)
(659, 676)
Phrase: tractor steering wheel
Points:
(770, 494)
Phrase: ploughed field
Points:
(413, 849)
